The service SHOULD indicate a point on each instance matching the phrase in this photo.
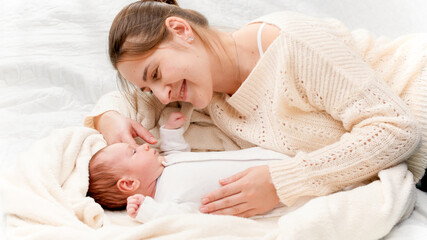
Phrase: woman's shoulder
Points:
(286, 21)
(268, 33)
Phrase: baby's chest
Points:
(188, 182)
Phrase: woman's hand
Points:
(117, 128)
(244, 194)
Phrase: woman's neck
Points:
(226, 74)
(237, 60)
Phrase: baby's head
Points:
(121, 170)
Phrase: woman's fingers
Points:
(230, 205)
(226, 200)
(226, 190)
(143, 133)
(129, 139)
(248, 213)
(233, 178)
(234, 210)
(221, 193)
(251, 190)
(117, 128)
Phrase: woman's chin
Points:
(200, 105)
(202, 102)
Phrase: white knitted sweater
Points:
(313, 96)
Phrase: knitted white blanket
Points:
(44, 197)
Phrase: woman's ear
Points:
(128, 184)
(180, 28)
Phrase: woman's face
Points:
(176, 71)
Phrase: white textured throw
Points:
(44, 198)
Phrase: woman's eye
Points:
(144, 89)
(155, 74)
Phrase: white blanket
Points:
(44, 196)
(54, 67)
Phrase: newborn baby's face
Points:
(140, 162)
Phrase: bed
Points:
(54, 64)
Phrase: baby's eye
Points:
(134, 151)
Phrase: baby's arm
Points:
(145, 209)
(171, 135)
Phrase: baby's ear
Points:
(128, 184)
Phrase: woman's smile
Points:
(182, 92)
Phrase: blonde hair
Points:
(144, 23)
(103, 178)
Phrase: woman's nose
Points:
(163, 93)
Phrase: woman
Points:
(286, 82)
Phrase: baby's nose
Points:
(146, 147)
(143, 147)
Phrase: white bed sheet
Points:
(54, 64)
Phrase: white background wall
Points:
(382, 17)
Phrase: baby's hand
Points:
(134, 202)
(175, 120)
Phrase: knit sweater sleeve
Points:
(324, 74)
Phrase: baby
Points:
(152, 185)
(121, 170)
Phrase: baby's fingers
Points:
(180, 121)
(132, 212)
(137, 199)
